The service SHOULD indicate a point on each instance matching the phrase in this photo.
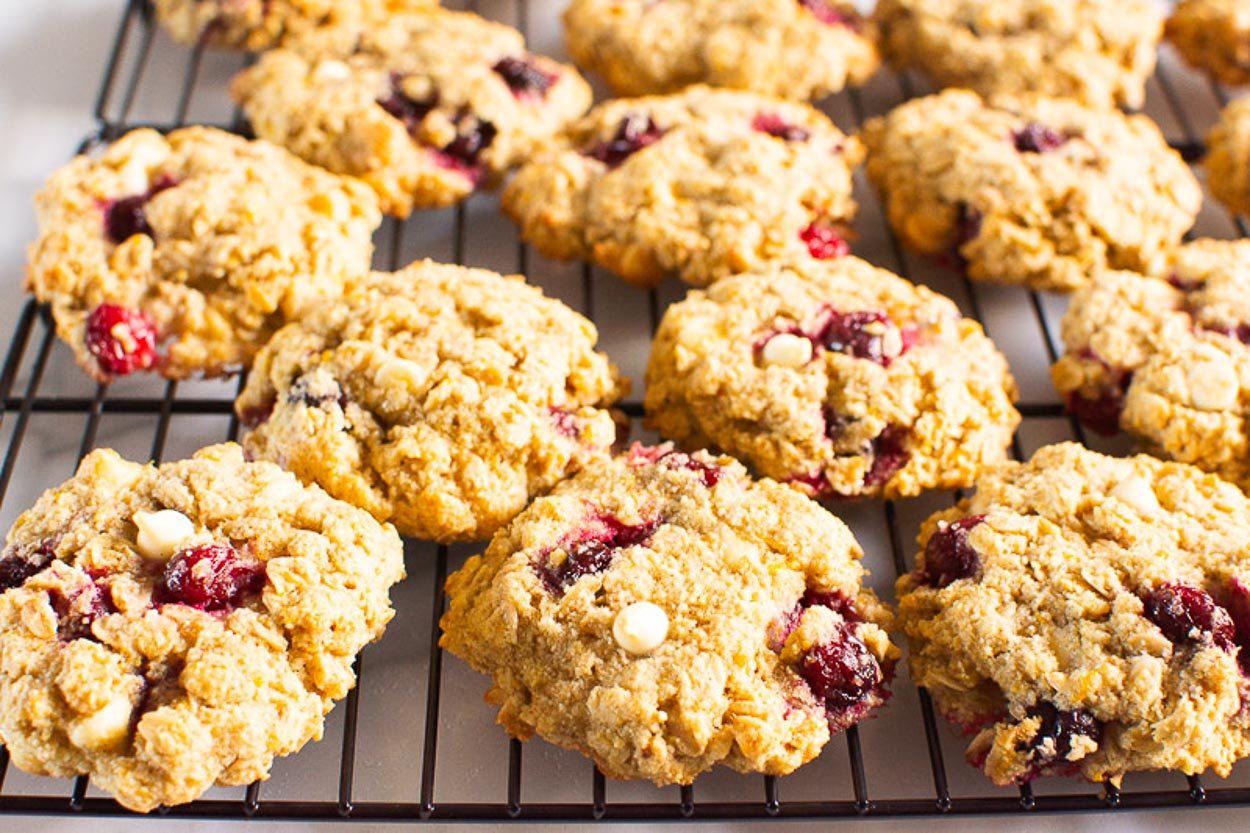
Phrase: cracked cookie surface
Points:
(437, 397)
(801, 49)
(1084, 614)
(702, 184)
(759, 641)
(1228, 157)
(427, 109)
(1214, 36)
(167, 628)
(1099, 52)
(184, 253)
(836, 377)
(1035, 191)
(1167, 358)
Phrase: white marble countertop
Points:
(51, 57)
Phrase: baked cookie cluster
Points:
(1213, 35)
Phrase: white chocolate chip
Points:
(891, 342)
(1213, 386)
(121, 333)
(104, 728)
(162, 533)
(134, 178)
(1137, 492)
(787, 350)
(332, 70)
(640, 628)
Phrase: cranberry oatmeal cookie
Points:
(1228, 157)
(798, 49)
(1035, 191)
(836, 377)
(437, 397)
(703, 183)
(1099, 52)
(1214, 36)
(663, 613)
(332, 25)
(427, 109)
(1083, 614)
(184, 253)
(1167, 359)
(167, 628)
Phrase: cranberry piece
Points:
(126, 217)
(774, 125)
(859, 334)
(592, 549)
(1237, 602)
(76, 612)
(122, 340)
(835, 600)
(967, 229)
(210, 577)
(1183, 284)
(829, 15)
(1188, 614)
(470, 141)
(842, 671)
(888, 455)
(1037, 138)
(1053, 741)
(565, 422)
(256, 416)
(635, 132)
(1241, 332)
(1103, 413)
(816, 481)
(17, 565)
(301, 394)
(408, 110)
(824, 243)
(708, 473)
(524, 77)
(948, 556)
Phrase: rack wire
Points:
(26, 395)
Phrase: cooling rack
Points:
(413, 741)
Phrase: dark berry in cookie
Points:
(775, 125)
(211, 577)
(408, 110)
(827, 14)
(474, 136)
(823, 242)
(1101, 414)
(833, 599)
(635, 132)
(591, 550)
(1188, 614)
(524, 77)
(1054, 739)
(126, 217)
(565, 422)
(841, 671)
(948, 556)
(888, 455)
(16, 565)
(76, 612)
(864, 335)
(1037, 138)
(122, 340)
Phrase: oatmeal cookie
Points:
(1034, 191)
(1167, 358)
(1083, 614)
(254, 25)
(800, 49)
(184, 253)
(1213, 36)
(703, 183)
(437, 397)
(427, 109)
(836, 377)
(167, 628)
(1099, 52)
(663, 613)
(1228, 157)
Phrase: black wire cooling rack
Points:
(27, 395)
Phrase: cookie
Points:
(664, 613)
(183, 253)
(1213, 36)
(439, 398)
(1167, 359)
(703, 183)
(836, 377)
(1034, 191)
(799, 49)
(427, 109)
(1083, 614)
(255, 25)
(1228, 157)
(1099, 52)
(167, 628)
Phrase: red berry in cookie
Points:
(211, 577)
(18, 563)
(635, 132)
(126, 217)
(823, 242)
(841, 671)
(828, 14)
(1058, 732)
(408, 110)
(591, 549)
(76, 611)
(889, 455)
(775, 125)
(948, 556)
(1037, 138)
(524, 77)
(1188, 615)
(864, 335)
(122, 340)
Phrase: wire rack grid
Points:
(412, 742)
